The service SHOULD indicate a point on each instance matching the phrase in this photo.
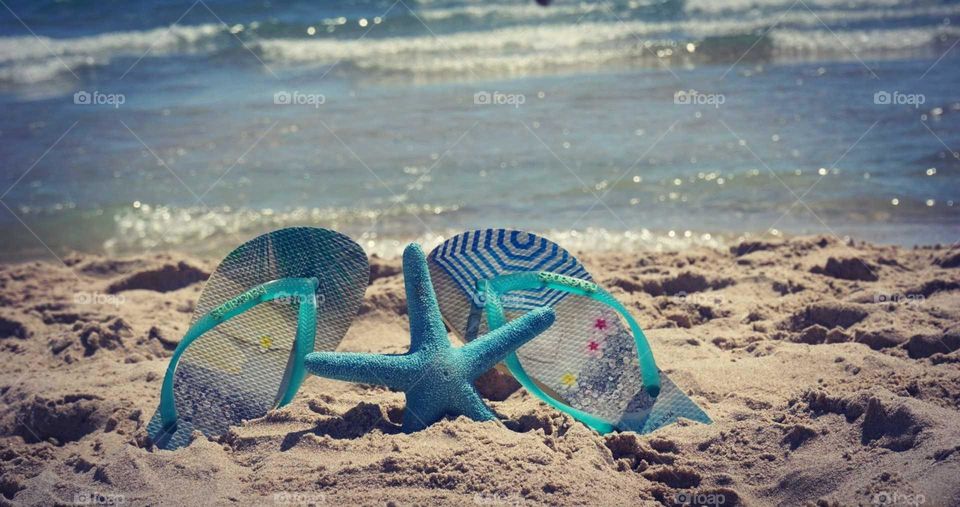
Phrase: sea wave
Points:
(508, 49)
(650, 9)
(728, 6)
(28, 59)
(866, 42)
(590, 36)
(501, 11)
(517, 51)
(160, 40)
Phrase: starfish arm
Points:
(472, 406)
(393, 371)
(426, 324)
(486, 351)
(421, 411)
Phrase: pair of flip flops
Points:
(288, 293)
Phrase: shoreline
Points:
(582, 241)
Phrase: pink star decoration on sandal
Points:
(593, 348)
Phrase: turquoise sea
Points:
(134, 127)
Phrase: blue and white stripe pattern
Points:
(485, 254)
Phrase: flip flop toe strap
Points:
(493, 289)
(303, 289)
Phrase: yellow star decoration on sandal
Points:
(266, 342)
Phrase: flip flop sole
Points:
(588, 357)
(235, 371)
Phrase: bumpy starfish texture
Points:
(436, 377)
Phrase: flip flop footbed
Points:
(588, 357)
(235, 371)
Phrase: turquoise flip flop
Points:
(588, 364)
(269, 303)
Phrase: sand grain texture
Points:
(832, 371)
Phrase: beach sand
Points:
(831, 370)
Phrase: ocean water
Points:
(137, 127)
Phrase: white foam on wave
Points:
(514, 50)
(161, 40)
(865, 42)
(28, 59)
(528, 10)
(723, 6)
(44, 69)
(513, 10)
(511, 50)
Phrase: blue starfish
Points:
(436, 377)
